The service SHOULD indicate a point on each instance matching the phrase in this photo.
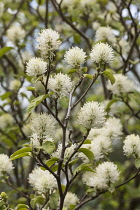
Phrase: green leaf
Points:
(54, 200)
(21, 155)
(48, 147)
(4, 50)
(35, 102)
(51, 161)
(36, 200)
(87, 141)
(54, 168)
(110, 76)
(137, 163)
(73, 162)
(88, 153)
(22, 207)
(22, 150)
(83, 167)
(6, 95)
(84, 69)
(110, 103)
(88, 76)
(30, 88)
(72, 71)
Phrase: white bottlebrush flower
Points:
(122, 85)
(112, 128)
(101, 146)
(15, 33)
(60, 84)
(132, 145)
(42, 181)
(6, 120)
(68, 152)
(102, 53)
(15, 84)
(105, 34)
(75, 57)
(105, 174)
(36, 67)
(48, 42)
(43, 125)
(91, 115)
(6, 165)
(70, 199)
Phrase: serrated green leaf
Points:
(4, 50)
(30, 88)
(22, 207)
(88, 153)
(72, 71)
(137, 163)
(110, 76)
(88, 76)
(6, 95)
(35, 102)
(54, 198)
(20, 151)
(21, 155)
(48, 147)
(83, 167)
(36, 200)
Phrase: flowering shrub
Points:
(69, 113)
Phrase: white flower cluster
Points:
(70, 199)
(105, 34)
(42, 181)
(91, 115)
(68, 151)
(132, 146)
(122, 85)
(43, 129)
(6, 120)
(36, 67)
(15, 84)
(102, 53)
(60, 84)
(6, 165)
(75, 57)
(48, 42)
(101, 139)
(105, 175)
(15, 33)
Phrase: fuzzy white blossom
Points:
(122, 85)
(102, 53)
(6, 120)
(36, 67)
(15, 84)
(15, 33)
(42, 181)
(105, 175)
(101, 146)
(69, 150)
(43, 125)
(75, 57)
(48, 42)
(6, 165)
(91, 115)
(70, 199)
(132, 145)
(60, 84)
(105, 34)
